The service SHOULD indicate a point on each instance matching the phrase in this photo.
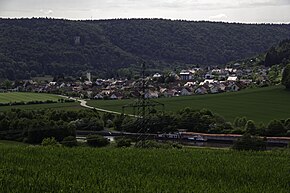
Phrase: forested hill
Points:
(279, 54)
(30, 47)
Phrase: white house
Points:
(189, 84)
(52, 83)
(185, 75)
(157, 75)
(232, 78)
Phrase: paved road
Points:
(83, 103)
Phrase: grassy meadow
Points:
(260, 104)
(33, 169)
(26, 97)
(74, 106)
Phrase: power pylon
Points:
(143, 107)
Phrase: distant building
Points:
(208, 76)
(185, 75)
(89, 76)
(77, 40)
(157, 75)
(232, 78)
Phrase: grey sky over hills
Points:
(246, 11)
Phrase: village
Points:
(193, 81)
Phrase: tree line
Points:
(34, 126)
(203, 121)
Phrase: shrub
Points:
(288, 133)
(123, 142)
(237, 131)
(276, 128)
(248, 142)
(69, 141)
(155, 144)
(49, 142)
(97, 141)
(250, 127)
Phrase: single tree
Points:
(251, 127)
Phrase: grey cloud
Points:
(136, 4)
(187, 9)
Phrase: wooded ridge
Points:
(35, 47)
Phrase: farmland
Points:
(74, 106)
(260, 105)
(26, 97)
(40, 169)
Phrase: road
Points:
(83, 103)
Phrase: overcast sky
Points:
(247, 11)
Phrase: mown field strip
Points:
(26, 96)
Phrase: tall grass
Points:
(40, 169)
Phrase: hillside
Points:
(276, 55)
(275, 104)
(279, 54)
(35, 47)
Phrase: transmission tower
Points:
(143, 107)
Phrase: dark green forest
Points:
(36, 47)
(279, 54)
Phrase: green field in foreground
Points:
(260, 105)
(26, 97)
(41, 169)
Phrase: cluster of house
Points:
(187, 82)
